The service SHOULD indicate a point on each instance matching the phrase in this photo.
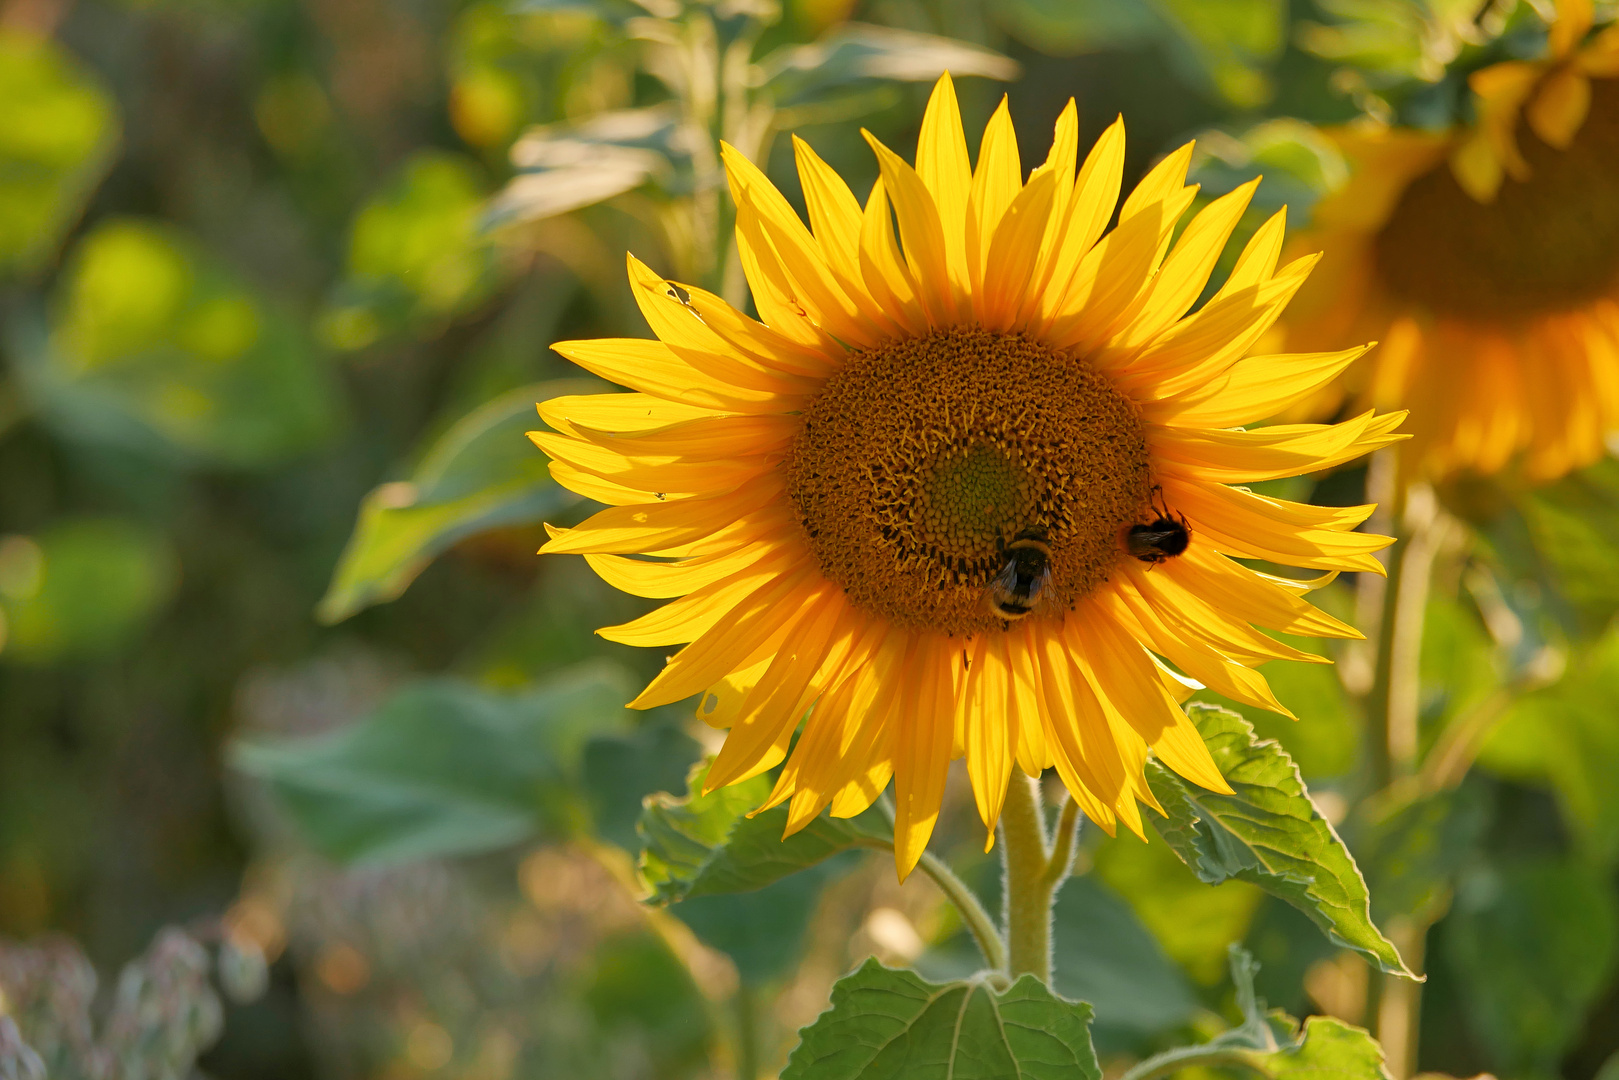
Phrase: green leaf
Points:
(1329, 1049)
(1393, 41)
(568, 166)
(441, 768)
(704, 845)
(1102, 954)
(1531, 944)
(1563, 536)
(619, 772)
(616, 12)
(1272, 1043)
(856, 53)
(1073, 27)
(58, 128)
(481, 474)
(890, 1024)
(1267, 833)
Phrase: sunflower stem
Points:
(1062, 846)
(1026, 863)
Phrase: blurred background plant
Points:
(277, 662)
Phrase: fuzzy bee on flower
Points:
(894, 515)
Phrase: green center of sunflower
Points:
(1547, 244)
(921, 459)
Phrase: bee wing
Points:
(1148, 539)
(1006, 580)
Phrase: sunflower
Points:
(902, 507)
(1486, 260)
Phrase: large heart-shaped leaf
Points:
(1268, 833)
(885, 1023)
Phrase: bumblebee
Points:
(1163, 539)
(1027, 571)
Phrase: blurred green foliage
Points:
(58, 128)
(81, 587)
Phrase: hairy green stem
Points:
(1062, 845)
(1026, 864)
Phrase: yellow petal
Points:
(617, 412)
(814, 287)
(1253, 389)
(1096, 193)
(659, 479)
(882, 267)
(653, 527)
(594, 487)
(694, 614)
(922, 754)
(662, 580)
(1220, 517)
(706, 438)
(988, 729)
(689, 338)
(1187, 270)
(920, 231)
(1254, 597)
(652, 367)
(995, 183)
(941, 162)
(811, 658)
(1015, 251)
(767, 609)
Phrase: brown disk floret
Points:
(1546, 244)
(921, 459)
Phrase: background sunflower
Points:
(1486, 259)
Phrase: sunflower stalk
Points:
(1392, 712)
(1034, 867)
